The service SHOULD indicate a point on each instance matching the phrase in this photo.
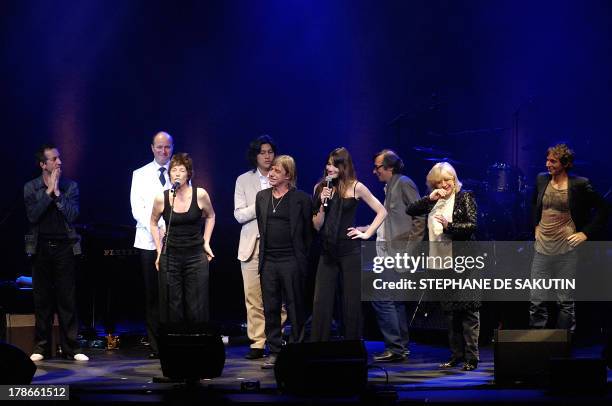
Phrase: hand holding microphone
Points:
(327, 190)
(438, 194)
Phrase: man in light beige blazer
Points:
(260, 154)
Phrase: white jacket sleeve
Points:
(138, 201)
(243, 212)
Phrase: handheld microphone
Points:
(329, 180)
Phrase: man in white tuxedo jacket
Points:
(147, 182)
(260, 154)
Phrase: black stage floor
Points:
(125, 376)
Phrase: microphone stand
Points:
(164, 251)
(168, 325)
(169, 221)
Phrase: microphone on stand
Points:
(329, 180)
(175, 187)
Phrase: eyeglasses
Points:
(377, 167)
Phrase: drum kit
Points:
(502, 196)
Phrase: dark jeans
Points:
(282, 282)
(151, 291)
(53, 278)
(553, 266)
(463, 331)
(393, 324)
(183, 282)
(349, 267)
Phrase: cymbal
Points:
(430, 150)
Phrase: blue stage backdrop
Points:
(475, 82)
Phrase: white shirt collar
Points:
(157, 166)
(263, 180)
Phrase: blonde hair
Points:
(288, 164)
(435, 175)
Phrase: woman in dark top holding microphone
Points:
(337, 196)
(183, 261)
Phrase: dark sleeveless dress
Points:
(186, 228)
(339, 264)
(183, 278)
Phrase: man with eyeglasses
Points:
(147, 182)
(400, 191)
(260, 155)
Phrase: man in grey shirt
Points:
(400, 191)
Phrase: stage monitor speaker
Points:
(523, 356)
(321, 368)
(2, 324)
(17, 368)
(191, 352)
(21, 332)
(578, 375)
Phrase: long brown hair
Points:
(342, 160)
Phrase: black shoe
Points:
(470, 366)
(153, 355)
(255, 353)
(450, 363)
(389, 356)
(269, 362)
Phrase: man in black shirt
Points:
(285, 227)
(52, 205)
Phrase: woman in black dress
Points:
(337, 196)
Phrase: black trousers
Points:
(53, 279)
(282, 282)
(463, 332)
(151, 291)
(183, 282)
(349, 267)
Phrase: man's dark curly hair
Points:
(563, 153)
(255, 147)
